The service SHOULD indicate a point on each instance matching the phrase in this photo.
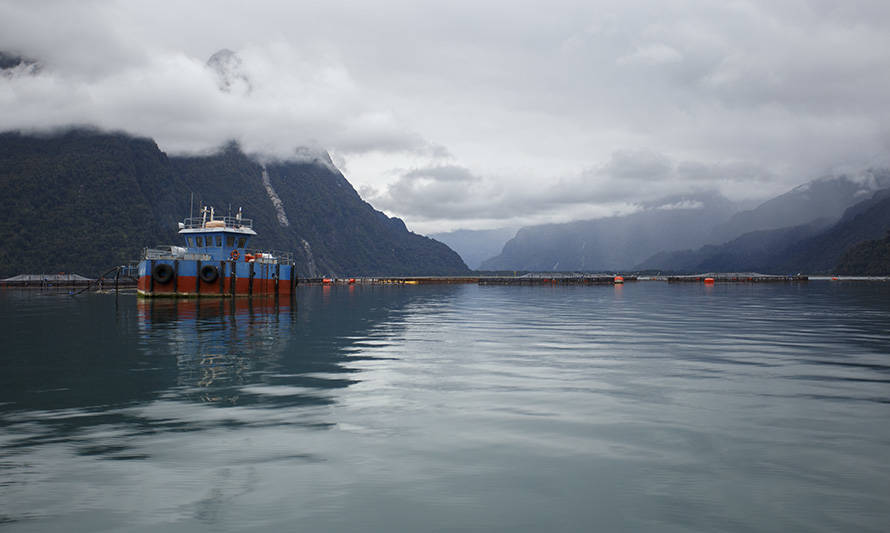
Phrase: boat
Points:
(215, 261)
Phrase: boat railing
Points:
(272, 256)
(178, 252)
(230, 222)
(172, 252)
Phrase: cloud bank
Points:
(478, 115)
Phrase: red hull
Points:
(187, 286)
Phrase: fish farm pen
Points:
(553, 279)
(124, 279)
(735, 277)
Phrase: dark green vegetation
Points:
(870, 258)
(84, 201)
(817, 247)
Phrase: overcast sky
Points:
(479, 114)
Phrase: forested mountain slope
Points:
(84, 201)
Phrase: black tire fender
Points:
(162, 273)
(209, 273)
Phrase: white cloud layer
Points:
(473, 114)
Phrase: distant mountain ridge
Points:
(613, 243)
(824, 198)
(817, 247)
(751, 252)
(709, 233)
(869, 258)
(84, 200)
(475, 246)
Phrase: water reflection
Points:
(647, 407)
(103, 371)
(220, 345)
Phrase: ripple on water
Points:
(650, 407)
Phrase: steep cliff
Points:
(83, 201)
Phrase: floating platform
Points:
(477, 280)
(545, 279)
(748, 277)
(234, 282)
(46, 281)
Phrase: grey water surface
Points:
(648, 407)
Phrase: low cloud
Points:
(651, 54)
(446, 191)
(188, 104)
(630, 180)
(496, 112)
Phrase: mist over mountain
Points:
(84, 201)
(816, 247)
(475, 246)
(614, 243)
(755, 251)
(12, 64)
(229, 69)
(824, 198)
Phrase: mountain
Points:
(811, 248)
(85, 201)
(8, 60)
(229, 70)
(475, 246)
(821, 253)
(824, 198)
(613, 243)
(748, 253)
(870, 258)
(12, 64)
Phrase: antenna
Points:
(191, 204)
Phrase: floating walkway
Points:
(45, 281)
(736, 277)
(555, 279)
(551, 279)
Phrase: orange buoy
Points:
(326, 280)
(834, 278)
(351, 280)
(619, 279)
(709, 280)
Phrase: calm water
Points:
(649, 407)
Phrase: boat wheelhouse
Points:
(215, 261)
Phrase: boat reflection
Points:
(220, 345)
(263, 353)
(106, 389)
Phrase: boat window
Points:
(200, 241)
(230, 241)
(190, 241)
(219, 241)
(241, 242)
